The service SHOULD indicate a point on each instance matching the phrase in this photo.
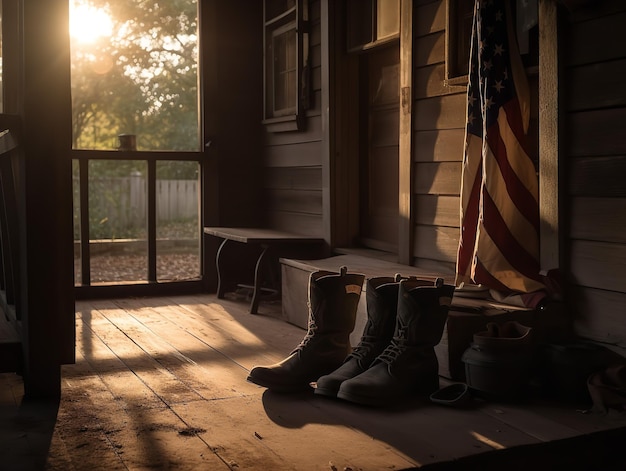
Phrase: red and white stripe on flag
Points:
(499, 242)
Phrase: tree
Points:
(142, 79)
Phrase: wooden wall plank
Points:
(446, 112)
(599, 219)
(597, 85)
(431, 81)
(312, 133)
(296, 222)
(437, 210)
(600, 315)
(441, 178)
(430, 18)
(301, 178)
(430, 49)
(595, 57)
(598, 132)
(436, 243)
(598, 177)
(599, 265)
(606, 30)
(445, 145)
(306, 154)
(307, 201)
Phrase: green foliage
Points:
(142, 80)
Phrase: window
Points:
(286, 64)
(372, 22)
(459, 31)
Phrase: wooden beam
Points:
(325, 152)
(405, 155)
(47, 232)
(548, 135)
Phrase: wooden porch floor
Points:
(160, 383)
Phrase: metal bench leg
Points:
(220, 275)
(256, 293)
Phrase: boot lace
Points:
(396, 348)
(364, 347)
(307, 338)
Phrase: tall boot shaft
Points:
(382, 303)
(422, 312)
(333, 302)
(408, 365)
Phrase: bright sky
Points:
(87, 23)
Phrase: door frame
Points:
(340, 185)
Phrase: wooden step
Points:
(466, 315)
(295, 279)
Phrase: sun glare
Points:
(88, 23)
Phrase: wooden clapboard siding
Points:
(430, 17)
(300, 223)
(300, 201)
(443, 178)
(436, 242)
(439, 122)
(596, 132)
(598, 219)
(599, 265)
(293, 160)
(446, 112)
(598, 176)
(595, 152)
(445, 145)
(303, 154)
(605, 78)
(431, 50)
(295, 196)
(597, 34)
(298, 178)
(608, 309)
(437, 210)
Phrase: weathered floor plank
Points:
(160, 383)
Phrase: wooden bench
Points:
(248, 258)
(466, 317)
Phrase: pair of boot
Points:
(395, 356)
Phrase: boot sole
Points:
(365, 400)
(379, 401)
(279, 388)
(326, 392)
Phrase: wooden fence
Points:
(118, 205)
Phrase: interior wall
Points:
(594, 152)
(292, 183)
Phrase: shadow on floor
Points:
(26, 427)
(396, 425)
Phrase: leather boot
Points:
(382, 304)
(408, 366)
(333, 302)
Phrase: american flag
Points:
(499, 243)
